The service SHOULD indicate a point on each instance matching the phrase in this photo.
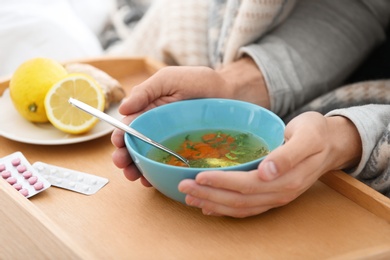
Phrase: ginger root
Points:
(112, 89)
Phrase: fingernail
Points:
(204, 182)
(192, 201)
(270, 170)
(208, 213)
(185, 186)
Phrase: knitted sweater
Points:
(367, 105)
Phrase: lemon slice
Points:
(65, 116)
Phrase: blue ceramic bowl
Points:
(172, 119)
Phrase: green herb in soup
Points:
(212, 148)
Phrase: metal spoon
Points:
(118, 124)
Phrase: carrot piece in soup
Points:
(205, 151)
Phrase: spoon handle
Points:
(118, 124)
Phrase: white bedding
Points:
(58, 29)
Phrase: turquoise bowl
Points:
(179, 117)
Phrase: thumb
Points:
(136, 101)
(302, 136)
(295, 150)
(267, 170)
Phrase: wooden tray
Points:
(338, 217)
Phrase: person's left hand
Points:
(314, 145)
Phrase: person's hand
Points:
(241, 80)
(314, 145)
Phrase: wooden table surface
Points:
(338, 218)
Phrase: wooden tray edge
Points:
(359, 193)
(40, 236)
(380, 252)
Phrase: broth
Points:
(211, 148)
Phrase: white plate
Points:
(13, 126)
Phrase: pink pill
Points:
(15, 161)
(27, 174)
(33, 180)
(24, 192)
(38, 186)
(11, 180)
(2, 167)
(6, 174)
(21, 168)
(17, 186)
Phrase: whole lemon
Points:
(29, 85)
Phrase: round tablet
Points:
(17, 186)
(21, 168)
(32, 180)
(11, 180)
(24, 192)
(38, 186)
(27, 174)
(15, 162)
(6, 174)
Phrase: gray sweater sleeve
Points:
(317, 48)
(373, 125)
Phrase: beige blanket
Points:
(202, 32)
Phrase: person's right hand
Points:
(241, 80)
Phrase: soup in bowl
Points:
(210, 133)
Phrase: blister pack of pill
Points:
(19, 173)
(73, 180)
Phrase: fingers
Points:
(137, 101)
(221, 202)
(244, 182)
(154, 91)
(172, 84)
(221, 196)
(217, 200)
(132, 174)
(145, 182)
(140, 97)
(121, 158)
(213, 209)
(117, 138)
(223, 187)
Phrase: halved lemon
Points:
(29, 85)
(65, 116)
